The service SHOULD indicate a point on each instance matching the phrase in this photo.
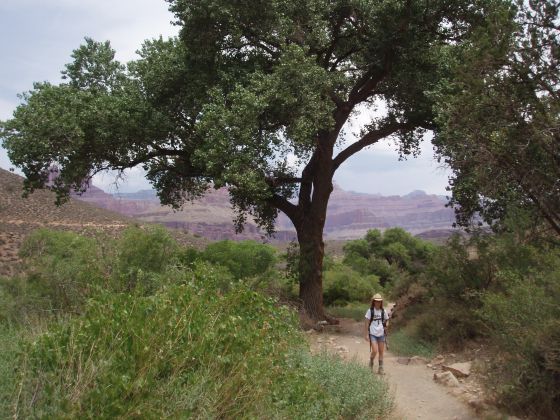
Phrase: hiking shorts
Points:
(376, 338)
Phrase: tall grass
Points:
(403, 344)
(352, 310)
(144, 338)
(9, 345)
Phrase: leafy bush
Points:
(142, 253)
(341, 285)
(353, 310)
(388, 254)
(63, 267)
(187, 351)
(354, 393)
(524, 325)
(504, 288)
(402, 343)
(243, 259)
(449, 326)
(9, 343)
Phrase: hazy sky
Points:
(38, 37)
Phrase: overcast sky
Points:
(38, 37)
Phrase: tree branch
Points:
(150, 155)
(369, 81)
(282, 204)
(369, 139)
(275, 181)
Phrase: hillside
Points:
(19, 216)
(350, 214)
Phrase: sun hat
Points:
(377, 296)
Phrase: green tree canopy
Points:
(499, 116)
(245, 88)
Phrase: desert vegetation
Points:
(139, 326)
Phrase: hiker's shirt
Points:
(376, 326)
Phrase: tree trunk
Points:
(311, 245)
(311, 252)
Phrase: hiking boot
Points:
(380, 371)
(371, 362)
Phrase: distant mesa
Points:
(415, 194)
(350, 214)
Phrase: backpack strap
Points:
(370, 317)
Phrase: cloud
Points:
(131, 180)
(378, 170)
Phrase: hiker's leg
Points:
(374, 349)
(381, 346)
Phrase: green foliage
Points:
(390, 255)
(342, 285)
(352, 389)
(498, 116)
(243, 259)
(63, 267)
(352, 310)
(148, 249)
(523, 322)
(189, 351)
(10, 345)
(402, 343)
(448, 326)
(503, 288)
(142, 254)
(187, 339)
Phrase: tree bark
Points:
(311, 253)
(309, 227)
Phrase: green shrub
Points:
(22, 302)
(388, 254)
(448, 326)
(152, 330)
(243, 259)
(150, 248)
(63, 267)
(402, 343)
(353, 310)
(524, 324)
(342, 285)
(9, 343)
(187, 351)
(354, 393)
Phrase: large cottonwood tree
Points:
(246, 89)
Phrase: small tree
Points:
(244, 87)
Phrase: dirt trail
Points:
(417, 396)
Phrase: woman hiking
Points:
(375, 324)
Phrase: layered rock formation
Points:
(350, 214)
